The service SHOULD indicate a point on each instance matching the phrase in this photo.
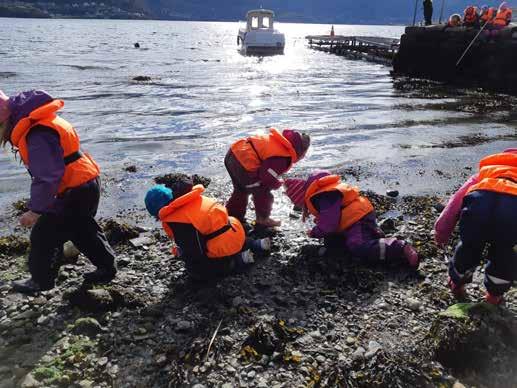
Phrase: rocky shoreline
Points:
(294, 320)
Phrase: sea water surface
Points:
(203, 95)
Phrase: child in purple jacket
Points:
(342, 215)
(64, 192)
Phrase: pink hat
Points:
(510, 151)
(295, 190)
(300, 141)
(4, 107)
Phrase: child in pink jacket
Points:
(486, 216)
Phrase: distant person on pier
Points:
(428, 12)
(471, 17)
(487, 15)
(454, 21)
(346, 220)
(65, 189)
(486, 207)
(503, 17)
(211, 243)
(256, 164)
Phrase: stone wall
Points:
(432, 52)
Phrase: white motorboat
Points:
(260, 37)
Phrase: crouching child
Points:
(486, 206)
(211, 243)
(346, 220)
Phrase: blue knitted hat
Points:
(156, 198)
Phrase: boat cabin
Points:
(260, 19)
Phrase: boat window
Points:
(254, 22)
(265, 22)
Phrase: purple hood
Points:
(21, 105)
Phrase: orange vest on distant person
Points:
(354, 206)
(503, 17)
(209, 218)
(498, 173)
(489, 15)
(470, 14)
(250, 152)
(79, 168)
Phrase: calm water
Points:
(204, 94)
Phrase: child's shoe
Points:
(265, 244)
(267, 222)
(247, 257)
(494, 299)
(459, 292)
(411, 256)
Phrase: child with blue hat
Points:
(211, 243)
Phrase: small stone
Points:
(321, 359)
(457, 384)
(414, 304)
(183, 326)
(227, 385)
(392, 193)
(251, 374)
(29, 382)
(373, 348)
(102, 361)
(199, 386)
(65, 380)
(87, 326)
(42, 320)
(316, 334)
(388, 225)
(230, 369)
(85, 384)
(359, 353)
(350, 340)
(237, 301)
(161, 360)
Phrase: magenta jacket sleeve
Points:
(329, 205)
(270, 171)
(445, 224)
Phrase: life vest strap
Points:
(254, 149)
(69, 159)
(218, 232)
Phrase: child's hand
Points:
(28, 219)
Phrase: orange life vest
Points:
(354, 205)
(503, 17)
(224, 235)
(498, 173)
(488, 15)
(79, 168)
(250, 152)
(470, 15)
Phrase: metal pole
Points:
(471, 43)
(414, 15)
(441, 12)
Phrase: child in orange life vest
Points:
(211, 243)
(344, 217)
(486, 206)
(65, 190)
(255, 165)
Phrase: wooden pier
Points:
(369, 48)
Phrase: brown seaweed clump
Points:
(12, 245)
(170, 179)
(118, 233)
(20, 206)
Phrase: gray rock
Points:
(350, 340)
(414, 304)
(251, 374)
(388, 225)
(392, 193)
(87, 326)
(238, 301)
(321, 359)
(230, 369)
(184, 326)
(29, 382)
(358, 354)
(373, 348)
